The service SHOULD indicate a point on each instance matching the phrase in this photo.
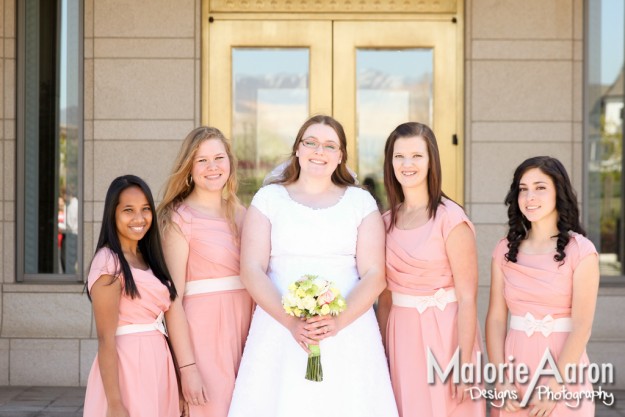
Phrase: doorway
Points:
(264, 78)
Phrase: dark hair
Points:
(394, 191)
(566, 206)
(340, 176)
(149, 246)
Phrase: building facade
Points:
(93, 89)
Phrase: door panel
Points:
(266, 77)
(389, 73)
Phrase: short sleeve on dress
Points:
(263, 198)
(104, 262)
(368, 203)
(183, 219)
(500, 251)
(453, 215)
(585, 247)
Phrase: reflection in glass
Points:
(604, 145)
(270, 102)
(52, 119)
(393, 87)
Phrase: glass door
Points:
(388, 73)
(266, 77)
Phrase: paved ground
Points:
(67, 402)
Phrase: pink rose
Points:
(326, 298)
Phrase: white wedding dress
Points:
(271, 382)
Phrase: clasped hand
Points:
(311, 331)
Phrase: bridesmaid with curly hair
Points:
(546, 274)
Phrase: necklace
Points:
(409, 219)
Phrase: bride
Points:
(314, 220)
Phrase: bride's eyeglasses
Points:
(327, 146)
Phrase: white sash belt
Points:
(204, 286)
(546, 326)
(439, 299)
(159, 324)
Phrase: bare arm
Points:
(255, 252)
(462, 255)
(105, 295)
(176, 251)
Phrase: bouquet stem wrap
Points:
(314, 371)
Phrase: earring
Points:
(297, 154)
(189, 181)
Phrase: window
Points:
(603, 133)
(49, 165)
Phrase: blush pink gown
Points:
(218, 321)
(147, 378)
(538, 285)
(417, 264)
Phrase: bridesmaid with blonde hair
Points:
(201, 217)
(431, 271)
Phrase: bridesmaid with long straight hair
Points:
(201, 221)
(431, 272)
(131, 290)
(546, 274)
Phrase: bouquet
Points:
(313, 296)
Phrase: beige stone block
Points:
(9, 48)
(88, 18)
(577, 169)
(9, 211)
(4, 362)
(144, 48)
(149, 160)
(578, 19)
(142, 129)
(88, 94)
(89, 166)
(487, 236)
(87, 212)
(88, 48)
(529, 19)
(9, 129)
(45, 315)
(578, 89)
(577, 132)
(3, 86)
(521, 90)
(144, 89)
(8, 252)
(521, 132)
(496, 213)
(9, 88)
(9, 18)
(604, 327)
(144, 19)
(2, 276)
(45, 362)
(2, 19)
(88, 351)
(522, 49)
(578, 50)
(9, 170)
(503, 158)
(88, 245)
(88, 130)
(609, 353)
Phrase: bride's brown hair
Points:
(340, 176)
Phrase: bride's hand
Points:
(301, 335)
(321, 327)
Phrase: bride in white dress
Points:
(313, 220)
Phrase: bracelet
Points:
(184, 366)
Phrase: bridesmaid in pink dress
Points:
(133, 373)
(546, 274)
(431, 271)
(201, 220)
